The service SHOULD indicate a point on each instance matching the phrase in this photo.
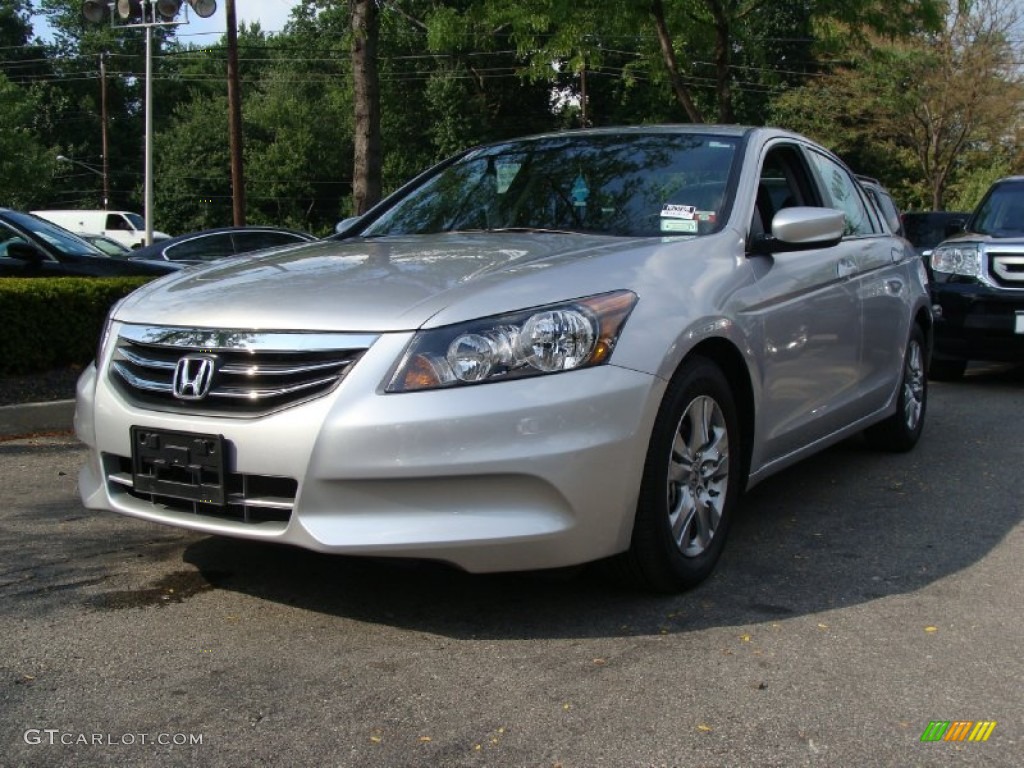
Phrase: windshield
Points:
(136, 221)
(1001, 213)
(56, 237)
(626, 184)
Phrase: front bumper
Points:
(535, 473)
(977, 322)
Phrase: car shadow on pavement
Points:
(847, 526)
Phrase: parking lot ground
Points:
(861, 598)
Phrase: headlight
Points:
(957, 260)
(551, 339)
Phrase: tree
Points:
(71, 117)
(25, 163)
(297, 127)
(918, 109)
(702, 51)
(366, 186)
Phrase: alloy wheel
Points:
(698, 476)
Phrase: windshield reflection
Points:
(629, 185)
(1001, 214)
(59, 239)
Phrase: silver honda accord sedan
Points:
(542, 352)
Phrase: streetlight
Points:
(146, 14)
(97, 171)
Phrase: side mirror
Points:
(801, 229)
(345, 224)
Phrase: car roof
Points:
(647, 129)
(229, 230)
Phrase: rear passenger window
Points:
(203, 248)
(844, 193)
(254, 241)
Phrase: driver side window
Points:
(8, 236)
(783, 183)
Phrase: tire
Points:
(947, 370)
(692, 480)
(901, 431)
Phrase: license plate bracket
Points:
(180, 465)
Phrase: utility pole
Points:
(103, 124)
(235, 119)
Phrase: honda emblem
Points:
(193, 376)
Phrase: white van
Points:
(124, 226)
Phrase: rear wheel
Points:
(691, 483)
(901, 431)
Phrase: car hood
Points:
(390, 284)
(997, 238)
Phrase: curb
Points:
(32, 418)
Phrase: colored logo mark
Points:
(958, 730)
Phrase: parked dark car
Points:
(926, 229)
(33, 247)
(212, 244)
(978, 285)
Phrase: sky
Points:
(271, 14)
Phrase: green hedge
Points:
(50, 322)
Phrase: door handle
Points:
(846, 267)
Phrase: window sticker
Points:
(670, 211)
(679, 226)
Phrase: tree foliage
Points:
(25, 161)
(922, 95)
(925, 110)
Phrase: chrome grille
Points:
(255, 372)
(1005, 264)
(1007, 269)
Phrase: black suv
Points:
(978, 285)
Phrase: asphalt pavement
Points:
(863, 601)
(36, 418)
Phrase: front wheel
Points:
(901, 431)
(692, 481)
